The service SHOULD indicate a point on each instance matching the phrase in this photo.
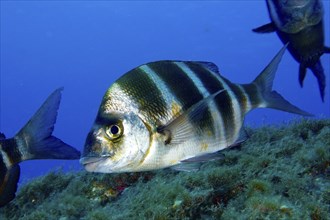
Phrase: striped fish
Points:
(174, 114)
(33, 141)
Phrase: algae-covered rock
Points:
(281, 172)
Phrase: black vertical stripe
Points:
(242, 101)
(179, 83)
(253, 94)
(225, 107)
(9, 146)
(8, 187)
(186, 92)
(210, 82)
(144, 91)
(223, 100)
(3, 170)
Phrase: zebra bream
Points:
(174, 114)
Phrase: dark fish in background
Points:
(33, 141)
(300, 23)
(175, 114)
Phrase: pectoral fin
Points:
(267, 28)
(8, 185)
(180, 128)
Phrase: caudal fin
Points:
(270, 98)
(36, 136)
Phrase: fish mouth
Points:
(91, 163)
(87, 160)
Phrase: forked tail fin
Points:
(270, 98)
(35, 139)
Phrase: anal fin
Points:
(193, 164)
(187, 167)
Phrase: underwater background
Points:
(86, 45)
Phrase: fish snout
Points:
(91, 145)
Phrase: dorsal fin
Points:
(209, 65)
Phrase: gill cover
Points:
(117, 142)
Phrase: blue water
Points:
(85, 46)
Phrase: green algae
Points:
(281, 172)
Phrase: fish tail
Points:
(270, 98)
(35, 139)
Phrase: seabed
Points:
(280, 172)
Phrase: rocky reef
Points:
(280, 172)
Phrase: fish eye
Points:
(114, 131)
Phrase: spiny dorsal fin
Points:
(210, 66)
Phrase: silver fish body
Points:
(173, 114)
